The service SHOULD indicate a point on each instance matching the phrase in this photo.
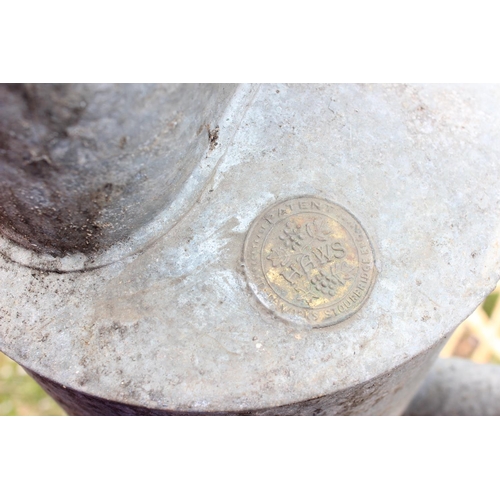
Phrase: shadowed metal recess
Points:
(83, 166)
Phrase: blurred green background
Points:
(20, 394)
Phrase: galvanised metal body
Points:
(124, 212)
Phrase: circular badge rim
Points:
(259, 294)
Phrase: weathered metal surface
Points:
(386, 394)
(165, 319)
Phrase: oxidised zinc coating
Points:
(309, 260)
(159, 317)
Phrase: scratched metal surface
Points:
(170, 322)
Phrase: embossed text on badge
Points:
(308, 259)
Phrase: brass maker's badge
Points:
(308, 259)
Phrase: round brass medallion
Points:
(308, 259)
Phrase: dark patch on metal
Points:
(42, 204)
(213, 136)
